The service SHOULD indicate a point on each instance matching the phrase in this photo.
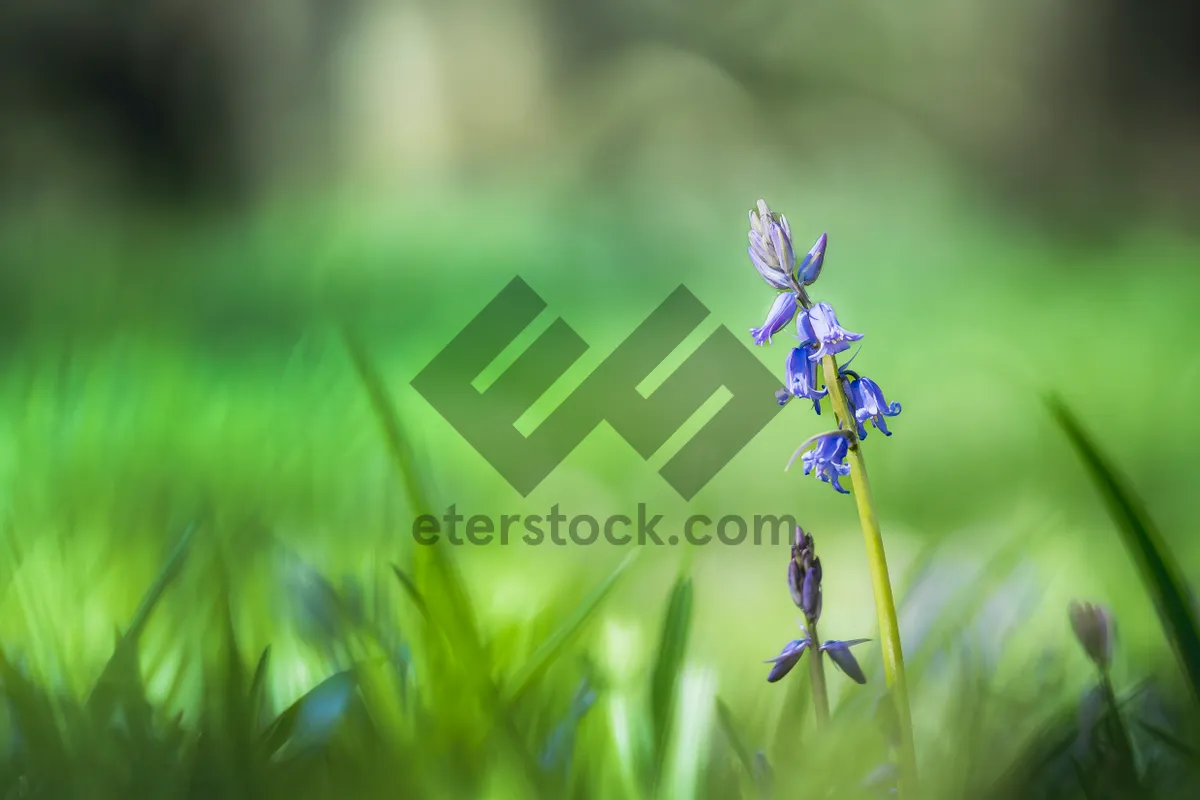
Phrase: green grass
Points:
(208, 588)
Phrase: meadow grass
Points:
(209, 589)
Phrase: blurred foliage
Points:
(421, 699)
(210, 462)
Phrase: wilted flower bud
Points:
(804, 577)
(1095, 629)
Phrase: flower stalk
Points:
(804, 583)
(856, 400)
(881, 584)
(816, 676)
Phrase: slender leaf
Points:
(258, 685)
(436, 569)
(668, 666)
(1160, 574)
(729, 728)
(120, 675)
(310, 717)
(1171, 741)
(549, 649)
(437, 574)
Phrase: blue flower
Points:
(802, 376)
(828, 460)
(781, 313)
(820, 324)
(839, 653)
(869, 404)
(771, 246)
(787, 658)
(810, 267)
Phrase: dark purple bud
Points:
(787, 658)
(795, 582)
(843, 659)
(799, 540)
(810, 592)
(804, 576)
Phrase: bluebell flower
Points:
(843, 659)
(771, 246)
(820, 324)
(869, 404)
(838, 652)
(781, 313)
(828, 460)
(810, 266)
(787, 658)
(802, 376)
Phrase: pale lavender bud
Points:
(1095, 629)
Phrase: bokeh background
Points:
(193, 193)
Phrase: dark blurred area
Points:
(167, 102)
(1075, 113)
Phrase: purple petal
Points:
(786, 660)
(843, 659)
(768, 273)
(810, 267)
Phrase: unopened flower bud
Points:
(804, 577)
(1095, 629)
(771, 249)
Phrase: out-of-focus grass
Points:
(218, 392)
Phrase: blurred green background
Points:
(195, 193)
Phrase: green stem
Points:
(885, 605)
(816, 671)
(1120, 736)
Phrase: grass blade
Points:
(1160, 574)
(294, 717)
(119, 675)
(1172, 742)
(664, 683)
(439, 571)
(442, 591)
(726, 723)
(549, 649)
(258, 686)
